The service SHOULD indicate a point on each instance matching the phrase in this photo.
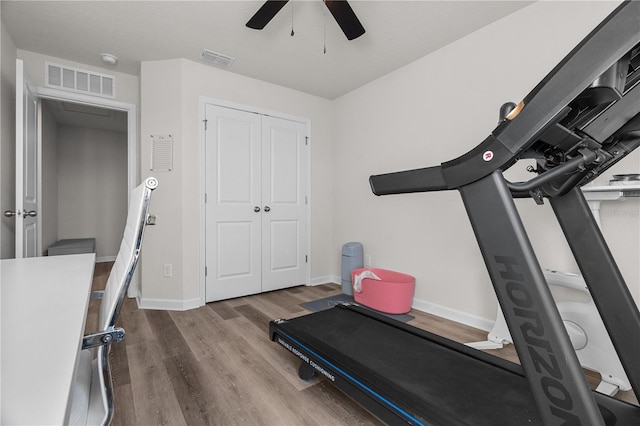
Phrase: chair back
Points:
(122, 272)
(93, 393)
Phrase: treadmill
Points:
(576, 123)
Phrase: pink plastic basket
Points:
(392, 294)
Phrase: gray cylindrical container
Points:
(352, 258)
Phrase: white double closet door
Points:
(256, 203)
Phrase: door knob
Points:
(267, 209)
(31, 213)
(256, 209)
(9, 213)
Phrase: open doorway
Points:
(84, 166)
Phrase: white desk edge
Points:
(44, 302)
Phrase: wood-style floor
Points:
(216, 365)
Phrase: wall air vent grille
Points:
(217, 59)
(80, 81)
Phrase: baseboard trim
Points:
(168, 304)
(327, 279)
(453, 314)
(105, 259)
(421, 305)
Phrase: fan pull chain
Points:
(324, 27)
(292, 33)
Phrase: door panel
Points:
(236, 152)
(233, 236)
(284, 192)
(234, 260)
(285, 253)
(30, 238)
(27, 225)
(284, 157)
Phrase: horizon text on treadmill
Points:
(534, 332)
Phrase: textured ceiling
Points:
(397, 33)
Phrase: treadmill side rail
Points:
(608, 289)
(551, 366)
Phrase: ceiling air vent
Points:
(217, 59)
(79, 81)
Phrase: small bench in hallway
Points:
(73, 246)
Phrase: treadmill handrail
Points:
(418, 180)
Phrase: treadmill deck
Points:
(407, 375)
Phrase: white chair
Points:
(92, 402)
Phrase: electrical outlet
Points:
(367, 260)
(167, 270)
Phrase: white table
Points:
(44, 302)
(614, 192)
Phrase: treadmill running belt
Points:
(421, 377)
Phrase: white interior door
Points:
(26, 214)
(256, 203)
(233, 204)
(284, 198)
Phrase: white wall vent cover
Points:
(80, 81)
(217, 59)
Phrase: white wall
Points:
(49, 172)
(160, 105)
(170, 96)
(92, 186)
(431, 111)
(8, 54)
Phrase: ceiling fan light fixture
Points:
(217, 59)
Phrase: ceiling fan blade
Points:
(346, 18)
(265, 14)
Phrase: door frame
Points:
(132, 141)
(24, 86)
(203, 101)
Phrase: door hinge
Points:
(306, 140)
(205, 271)
(205, 198)
(205, 124)
(306, 199)
(306, 258)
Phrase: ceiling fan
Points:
(340, 9)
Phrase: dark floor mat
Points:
(330, 302)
